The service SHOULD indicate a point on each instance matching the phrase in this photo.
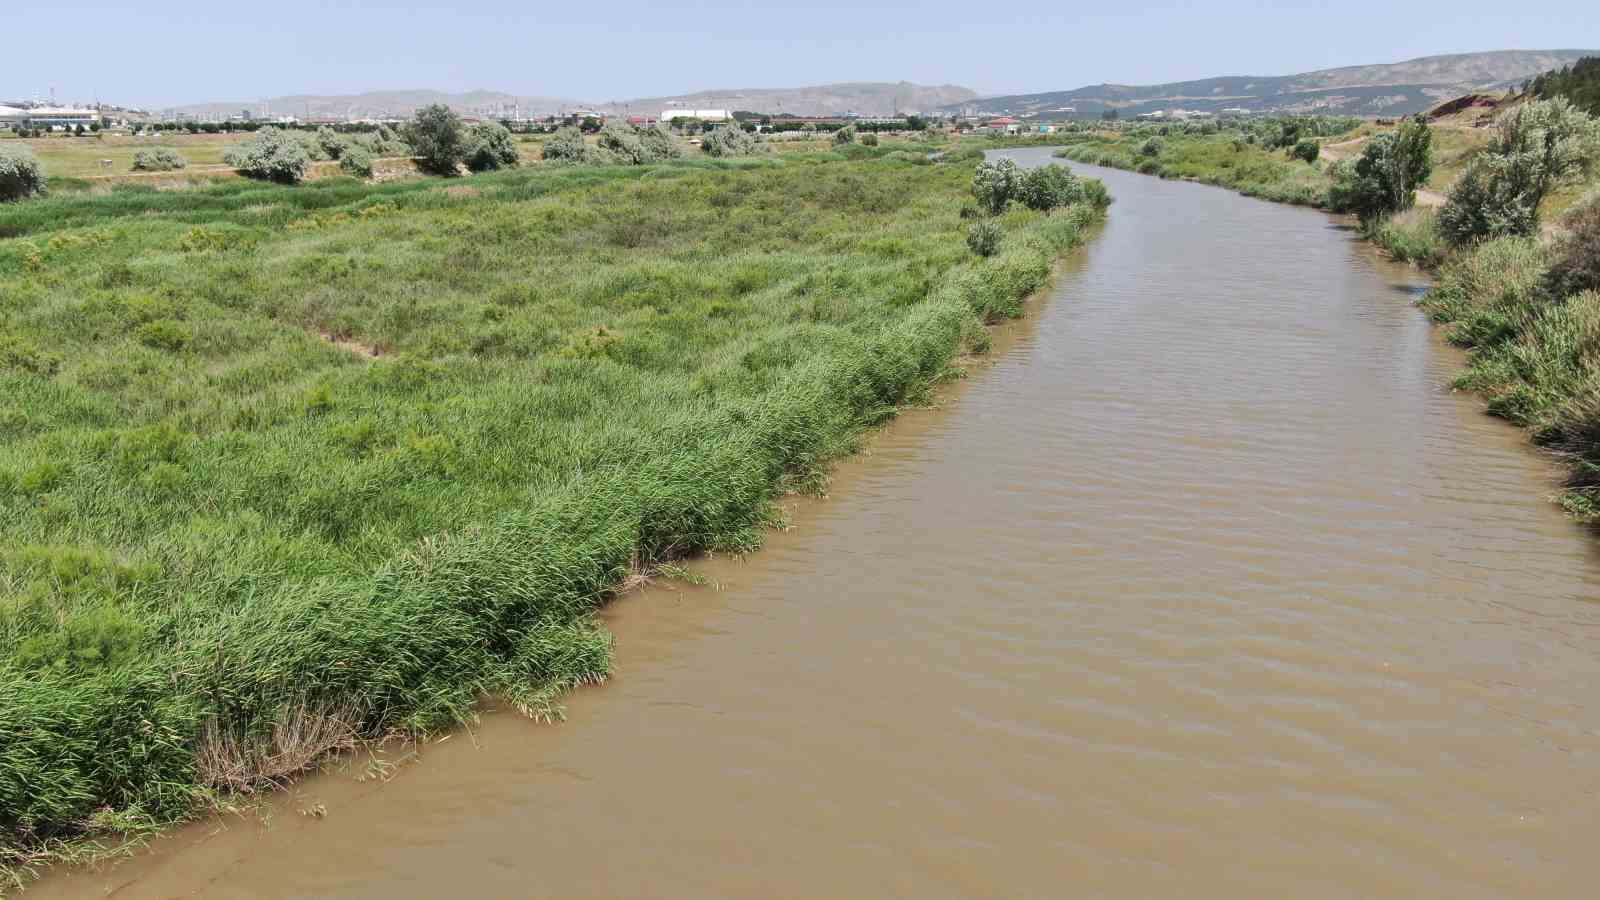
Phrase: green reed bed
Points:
(282, 469)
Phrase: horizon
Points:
(244, 56)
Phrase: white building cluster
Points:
(47, 116)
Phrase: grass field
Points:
(76, 157)
(284, 467)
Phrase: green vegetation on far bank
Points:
(1516, 243)
(286, 467)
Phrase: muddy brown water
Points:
(1207, 587)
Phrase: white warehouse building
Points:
(47, 116)
(704, 115)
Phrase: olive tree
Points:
(436, 135)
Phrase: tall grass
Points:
(285, 467)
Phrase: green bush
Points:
(272, 155)
(983, 238)
(158, 159)
(1537, 146)
(845, 135)
(21, 176)
(621, 143)
(436, 136)
(870, 139)
(994, 184)
(490, 146)
(1385, 178)
(568, 148)
(1046, 187)
(1307, 151)
(356, 160)
(731, 141)
(1577, 253)
(1151, 148)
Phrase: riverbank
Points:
(290, 468)
(1035, 638)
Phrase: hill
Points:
(378, 104)
(861, 98)
(1387, 89)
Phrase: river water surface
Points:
(1208, 587)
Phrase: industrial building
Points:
(47, 116)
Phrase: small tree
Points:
(994, 184)
(870, 139)
(1151, 148)
(21, 176)
(916, 123)
(1306, 151)
(490, 146)
(845, 135)
(436, 135)
(1385, 178)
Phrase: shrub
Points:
(845, 135)
(159, 159)
(1411, 236)
(1384, 179)
(1047, 187)
(1307, 151)
(1150, 148)
(21, 176)
(435, 134)
(272, 155)
(870, 139)
(983, 238)
(356, 161)
(994, 184)
(731, 141)
(567, 147)
(628, 145)
(1537, 146)
(1577, 253)
(329, 143)
(490, 146)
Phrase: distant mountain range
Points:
(1390, 89)
(860, 98)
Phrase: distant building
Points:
(704, 115)
(1003, 125)
(47, 116)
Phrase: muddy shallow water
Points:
(1207, 587)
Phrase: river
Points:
(1208, 586)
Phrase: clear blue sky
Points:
(165, 52)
